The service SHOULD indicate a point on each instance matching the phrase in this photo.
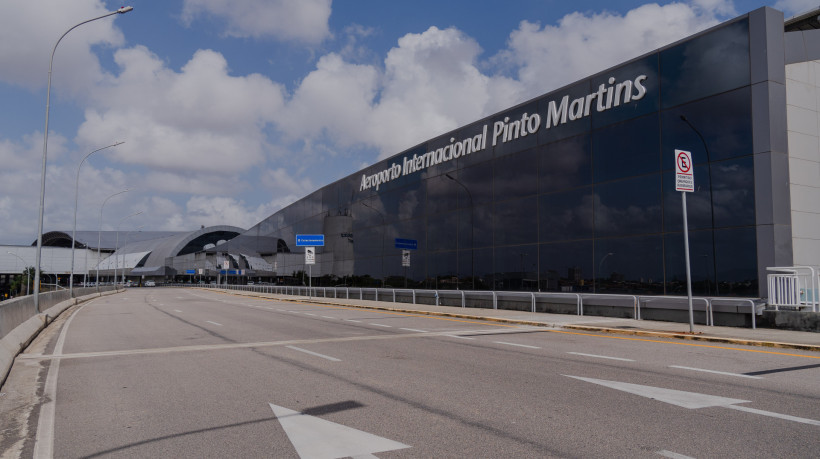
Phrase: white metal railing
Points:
(390, 295)
(794, 287)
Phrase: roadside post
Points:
(685, 183)
(310, 242)
(406, 245)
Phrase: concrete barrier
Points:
(793, 320)
(23, 333)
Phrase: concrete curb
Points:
(15, 342)
(648, 333)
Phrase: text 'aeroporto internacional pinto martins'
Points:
(605, 98)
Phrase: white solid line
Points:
(332, 359)
(716, 372)
(413, 330)
(381, 325)
(672, 455)
(518, 345)
(457, 336)
(213, 323)
(44, 439)
(601, 356)
(775, 415)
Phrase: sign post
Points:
(406, 245)
(309, 242)
(685, 183)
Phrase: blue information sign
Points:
(310, 240)
(190, 271)
(407, 244)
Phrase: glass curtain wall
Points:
(586, 202)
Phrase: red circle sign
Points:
(684, 162)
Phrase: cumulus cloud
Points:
(31, 29)
(299, 20)
(582, 44)
(796, 6)
(200, 119)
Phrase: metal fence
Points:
(627, 305)
(794, 287)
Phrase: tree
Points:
(22, 283)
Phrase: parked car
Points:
(150, 283)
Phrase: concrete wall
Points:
(803, 114)
(15, 312)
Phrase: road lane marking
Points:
(381, 325)
(601, 356)
(215, 323)
(457, 336)
(690, 400)
(327, 317)
(44, 438)
(351, 320)
(413, 330)
(715, 372)
(314, 437)
(177, 310)
(673, 455)
(332, 359)
(517, 345)
(309, 314)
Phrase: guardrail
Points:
(462, 297)
(794, 287)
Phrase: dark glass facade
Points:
(581, 199)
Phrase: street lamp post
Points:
(74, 230)
(28, 278)
(384, 229)
(711, 198)
(117, 245)
(472, 227)
(99, 235)
(122, 10)
(601, 264)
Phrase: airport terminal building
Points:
(574, 191)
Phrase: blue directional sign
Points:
(407, 244)
(190, 271)
(310, 240)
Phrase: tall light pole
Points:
(122, 10)
(711, 199)
(99, 235)
(117, 245)
(74, 230)
(472, 228)
(25, 268)
(384, 229)
(126, 245)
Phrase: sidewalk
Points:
(766, 337)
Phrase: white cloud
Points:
(299, 20)
(582, 44)
(794, 7)
(29, 30)
(201, 119)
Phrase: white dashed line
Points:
(213, 323)
(381, 325)
(351, 320)
(413, 330)
(457, 336)
(332, 359)
(601, 356)
(716, 372)
(177, 310)
(517, 345)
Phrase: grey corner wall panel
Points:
(767, 44)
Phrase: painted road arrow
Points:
(690, 400)
(315, 438)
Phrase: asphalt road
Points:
(161, 372)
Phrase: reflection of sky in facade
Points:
(587, 205)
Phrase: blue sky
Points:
(232, 109)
